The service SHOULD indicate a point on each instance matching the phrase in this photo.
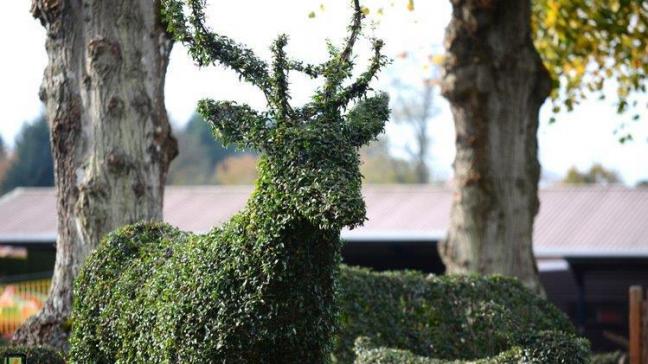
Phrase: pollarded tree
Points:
(496, 82)
(261, 288)
(111, 140)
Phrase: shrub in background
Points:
(447, 318)
(548, 347)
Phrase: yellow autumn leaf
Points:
(437, 59)
(410, 5)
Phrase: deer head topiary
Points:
(310, 152)
(261, 287)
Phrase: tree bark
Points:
(111, 140)
(496, 83)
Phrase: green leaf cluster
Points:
(588, 43)
(548, 347)
(153, 294)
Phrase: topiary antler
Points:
(233, 121)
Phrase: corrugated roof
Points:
(573, 221)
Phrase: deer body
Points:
(261, 288)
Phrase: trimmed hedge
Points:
(545, 348)
(447, 318)
(153, 294)
(34, 355)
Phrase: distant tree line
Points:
(597, 174)
(203, 160)
(31, 163)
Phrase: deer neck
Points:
(272, 218)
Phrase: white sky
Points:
(580, 138)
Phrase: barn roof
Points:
(573, 221)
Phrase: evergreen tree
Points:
(200, 153)
(32, 165)
(3, 152)
(4, 161)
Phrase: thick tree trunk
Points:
(496, 83)
(111, 139)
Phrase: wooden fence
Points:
(19, 301)
(638, 326)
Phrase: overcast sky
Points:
(579, 139)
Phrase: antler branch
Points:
(338, 68)
(360, 87)
(279, 82)
(354, 29)
(207, 47)
(311, 70)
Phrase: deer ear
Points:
(235, 124)
(367, 119)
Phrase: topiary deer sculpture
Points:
(260, 288)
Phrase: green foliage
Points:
(447, 317)
(33, 164)
(35, 355)
(597, 174)
(587, 43)
(259, 289)
(546, 347)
